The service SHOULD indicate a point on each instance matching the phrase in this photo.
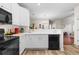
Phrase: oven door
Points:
(1, 34)
(1, 37)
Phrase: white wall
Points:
(58, 24)
(76, 25)
(65, 23)
(44, 22)
(68, 23)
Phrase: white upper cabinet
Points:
(15, 14)
(6, 6)
(20, 15)
(24, 17)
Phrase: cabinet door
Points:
(20, 15)
(15, 14)
(28, 41)
(22, 43)
(24, 17)
(37, 41)
(42, 41)
(31, 41)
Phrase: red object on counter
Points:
(17, 30)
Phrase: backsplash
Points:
(7, 27)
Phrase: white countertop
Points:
(57, 31)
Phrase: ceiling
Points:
(49, 10)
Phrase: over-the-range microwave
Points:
(5, 17)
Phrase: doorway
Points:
(68, 38)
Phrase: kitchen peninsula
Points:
(51, 39)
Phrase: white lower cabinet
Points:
(22, 42)
(32, 41)
(36, 41)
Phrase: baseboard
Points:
(36, 48)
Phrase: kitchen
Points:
(35, 31)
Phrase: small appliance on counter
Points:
(17, 30)
(21, 30)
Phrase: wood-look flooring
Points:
(68, 50)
